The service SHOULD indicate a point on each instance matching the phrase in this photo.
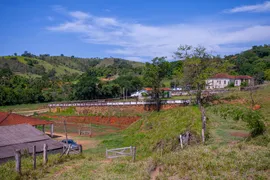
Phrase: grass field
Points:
(60, 69)
(23, 107)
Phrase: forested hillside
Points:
(254, 62)
(36, 66)
(30, 78)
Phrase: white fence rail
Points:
(121, 152)
(130, 103)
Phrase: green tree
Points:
(197, 68)
(154, 73)
(87, 87)
(267, 74)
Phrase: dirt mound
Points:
(121, 122)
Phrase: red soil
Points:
(121, 122)
(256, 107)
(239, 134)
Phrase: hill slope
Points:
(35, 66)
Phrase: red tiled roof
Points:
(223, 75)
(243, 77)
(227, 76)
(162, 89)
(13, 119)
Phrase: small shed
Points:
(7, 119)
(24, 137)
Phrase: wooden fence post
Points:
(45, 156)
(106, 153)
(80, 148)
(18, 161)
(69, 147)
(34, 157)
(134, 154)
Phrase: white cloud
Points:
(79, 15)
(264, 7)
(134, 58)
(135, 40)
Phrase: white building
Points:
(222, 80)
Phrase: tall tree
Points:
(87, 87)
(198, 66)
(154, 73)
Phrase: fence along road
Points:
(130, 103)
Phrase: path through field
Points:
(31, 112)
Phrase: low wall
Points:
(105, 107)
(131, 109)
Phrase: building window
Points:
(236, 82)
(225, 82)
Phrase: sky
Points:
(136, 30)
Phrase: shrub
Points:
(231, 84)
(253, 119)
(244, 84)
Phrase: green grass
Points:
(157, 128)
(28, 75)
(60, 69)
(179, 97)
(20, 59)
(7, 171)
(239, 161)
(23, 107)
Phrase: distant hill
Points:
(35, 66)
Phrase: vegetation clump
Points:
(253, 119)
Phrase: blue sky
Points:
(136, 30)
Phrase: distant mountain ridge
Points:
(35, 66)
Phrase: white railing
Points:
(85, 104)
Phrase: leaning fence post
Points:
(134, 154)
(106, 153)
(69, 147)
(18, 160)
(34, 157)
(45, 156)
(80, 148)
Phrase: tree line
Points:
(193, 65)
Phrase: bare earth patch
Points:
(239, 134)
(86, 143)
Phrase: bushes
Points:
(231, 85)
(253, 119)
